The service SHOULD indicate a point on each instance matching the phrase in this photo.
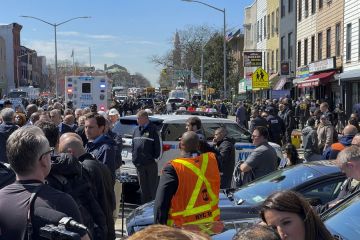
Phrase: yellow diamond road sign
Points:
(260, 79)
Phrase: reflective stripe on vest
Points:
(190, 209)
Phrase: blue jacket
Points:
(332, 151)
(103, 148)
(6, 129)
(145, 145)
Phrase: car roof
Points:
(181, 118)
(323, 166)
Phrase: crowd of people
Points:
(66, 161)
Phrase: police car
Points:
(171, 128)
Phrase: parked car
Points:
(319, 182)
(171, 128)
(343, 219)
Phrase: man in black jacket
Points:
(99, 175)
(6, 128)
(257, 120)
(145, 149)
(226, 152)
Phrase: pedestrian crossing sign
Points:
(260, 79)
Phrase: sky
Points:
(124, 32)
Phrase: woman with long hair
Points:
(292, 155)
(293, 217)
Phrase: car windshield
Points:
(256, 192)
(147, 101)
(17, 94)
(344, 221)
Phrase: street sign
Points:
(260, 79)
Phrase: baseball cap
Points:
(113, 111)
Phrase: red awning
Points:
(316, 79)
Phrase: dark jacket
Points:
(118, 147)
(80, 130)
(68, 175)
(226, 154)
(6, 129)
(276, 128)
(102, 187)
(289, 120)
(258, 121)
(103, 149)
(145, 145)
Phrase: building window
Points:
(265, 28)
(312, 48)
(320, 4)
(313, 6)
(290, 6)
(272, 61)
(267, 61)
(282, 8)
(277, 60)
(328, 43)
(319, 45)
(306, 8)
(290, 47)
(261, 25)
(359, 40)
(306, 52)
(272, 24)
(337, 39)
(348, 42)
(282, 46)
(299, 54)
(268, 26)
(257, 31)
(300, 10)
(277, 21)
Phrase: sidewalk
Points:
(118, 229)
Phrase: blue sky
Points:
(125, 32)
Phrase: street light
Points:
(224, 50)
(55, 25)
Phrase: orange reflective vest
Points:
(197, 197)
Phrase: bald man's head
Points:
(189, 142)
(70, 134)
(350, 130)
(356, 140)
(71, 144)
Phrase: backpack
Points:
(7, 175)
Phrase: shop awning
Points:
(316, 79)
(280, 84)
(273, 79)
(350, 75)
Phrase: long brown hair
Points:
(289, 201)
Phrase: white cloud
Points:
(68, 33)
(104, 37)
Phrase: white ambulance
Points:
(86, 90)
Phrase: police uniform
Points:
(188, 191)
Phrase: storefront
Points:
(350, 89)
(318, 83)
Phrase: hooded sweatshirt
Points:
(310, 140)
(6, 129)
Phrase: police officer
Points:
(191, 175)
(276, 126)
(145, 149)
(257, 120)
